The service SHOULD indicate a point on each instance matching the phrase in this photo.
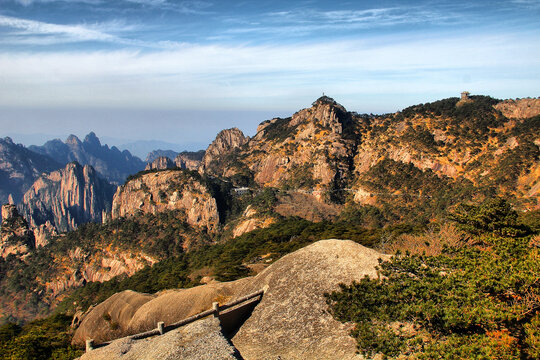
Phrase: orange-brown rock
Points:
(67, 198)
(15, 237)
(167, 190)
(519, 108)
(160, 163)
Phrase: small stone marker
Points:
(215, 307)
(89, 344)
(161, 327)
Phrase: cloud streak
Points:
(197, 75)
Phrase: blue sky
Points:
(179, 71)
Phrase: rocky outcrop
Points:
(15, 237)
(111, 163)
(519, 108)
(67, 198)
(160, 163)
(167, 190)
(291, 321)
(133, 317)
(19, 168)
(312, 150)
(250, 221)
(99, 264)
(225, 143)
(189, 160)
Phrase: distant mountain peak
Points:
(92, 139)
(324, 100)
(73, 139)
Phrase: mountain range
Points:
(220, 213)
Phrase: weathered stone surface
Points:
(189, 160)
(201, 340)
(108, 320)
(519, 108)
(292, 320)
(225, 142)
(168, 306)
(167, 190)
(15, 237)
(160, 163)
(67, 198)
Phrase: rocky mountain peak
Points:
(73, 140)
(325, 112)
(92, 140)
(225, 142)
(15, 237)
(9, 211)
(67, 198)
(160, 163)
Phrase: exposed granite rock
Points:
(292, 320)
(189, 160)
(111, 163)
(67, 198)
(311, 150)
(201, 340)
(169, 306)
(250, 221)
(519, 108)
(109, 319)
(225, 143)
(167, 190)
(19, 168)
(160, 163)
(15, 237)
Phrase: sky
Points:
(180, 71)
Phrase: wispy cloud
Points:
(31, 32)
(199, 75)
(305, 21)
(68, 32)
(186, 7)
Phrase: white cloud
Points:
(205, 76)
(31, 27)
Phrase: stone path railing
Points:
(162, 328)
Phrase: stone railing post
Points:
(89, 345)
(215, 307)
(161, 327)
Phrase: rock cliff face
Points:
(67, 198)
(19, 167)
(226, 142)
(15, 237)
(167, 190)
(333, 155)
(110, 163)
(519, 108)
(189, 160)
(312, 150)
(160, 163)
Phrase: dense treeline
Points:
(480, 301)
